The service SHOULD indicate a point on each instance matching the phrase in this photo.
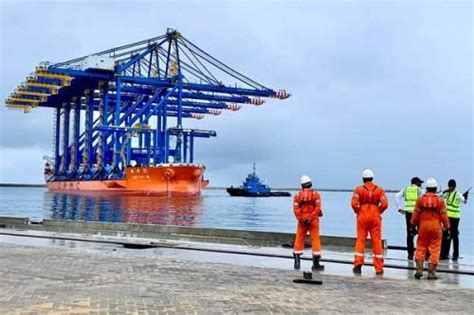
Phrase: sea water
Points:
(214, 209)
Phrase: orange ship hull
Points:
(160, 180)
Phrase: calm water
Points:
(213, 209)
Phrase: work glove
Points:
(413, 231)
(447, 235)
(402, 211)
(306, 223)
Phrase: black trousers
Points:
(446, 244)
(410, 245)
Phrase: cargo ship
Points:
(119, 115)
(161, 180)
(253, 187)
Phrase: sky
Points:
(385, 85)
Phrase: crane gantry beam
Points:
(143, 91)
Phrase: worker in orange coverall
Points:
(369, 202)
(429, 214)
(307, 209)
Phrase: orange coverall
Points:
(428, 215)
(368, 202)
(307, 206)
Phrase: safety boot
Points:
(419, 269)
(357, 269)
(431, 272)
(297, 265)
(316, 264)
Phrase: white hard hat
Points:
(431, 183)
(367, 174)
(305, 179)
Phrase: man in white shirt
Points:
(405, 200)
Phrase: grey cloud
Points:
(386, 85)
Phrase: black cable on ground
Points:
(222, 251)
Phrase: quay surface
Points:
(47, 275)
(211, 235)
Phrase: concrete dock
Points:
(47, 272)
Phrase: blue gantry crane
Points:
(113, 107)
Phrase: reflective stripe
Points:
(359, 254)
(296, 204)
(298, 251)
(453, 206)
(451, 197)
(317, 253)
(378, 256)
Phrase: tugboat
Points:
(253, 187)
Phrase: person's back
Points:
(405, 200)
(307, 209)
(429, 214)
(307, 204)
(453, 199)
(368, 200)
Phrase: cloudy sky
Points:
(385, 85)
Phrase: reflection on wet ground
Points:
(466, 281)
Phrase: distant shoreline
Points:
(22, 185)
(13, 185)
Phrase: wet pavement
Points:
(97, 274)
(95, 243)
(62, 277)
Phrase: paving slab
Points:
(68, 279)
(338, 260)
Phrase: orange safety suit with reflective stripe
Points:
(307, 209)
(430, 212)
(368, 202)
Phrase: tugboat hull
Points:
(239, 192)
(253, 187)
